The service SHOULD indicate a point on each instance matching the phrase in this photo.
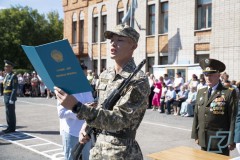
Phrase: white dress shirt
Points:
(68, 121)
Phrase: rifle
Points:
(107, 104)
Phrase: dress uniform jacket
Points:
(10, 85)
(213, 115)
(121, 123)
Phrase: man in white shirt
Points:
(178, 82)
(70, 127)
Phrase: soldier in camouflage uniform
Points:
(117, 139)
(215, 111)
(10, 85)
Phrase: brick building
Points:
(172, 32)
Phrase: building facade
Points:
(172, 32)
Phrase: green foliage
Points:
(22, 71)
(25, 26)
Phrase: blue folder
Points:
(57, 65)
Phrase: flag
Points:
(130, 13)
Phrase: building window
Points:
(74, 29)
(103, 27)
(164, 17)
(95, 66)
(95, 29)
(103, 64)
(81, 37)
(199, 57)
(81, 30)
(204, 14)
(74, 32)
(163, 60)
(150, 62)
(119, 17)
(151, 19)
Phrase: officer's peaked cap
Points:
(9, 63)
(212, 66)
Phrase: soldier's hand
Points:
(83, 137)
(11, 102)
(231, 146)
(67, 101)
(196, 141)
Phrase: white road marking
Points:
(52, 150)
(168, 126)
(18, 138)
(27, 139)
(38, 104)
(35, 145)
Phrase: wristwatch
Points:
(77, 107)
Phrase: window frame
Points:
(95, 29)
(74, 32)
(151, 16)
(103, 27)
(163, 13)
(203, 21)
(74, 29)
(119, 17)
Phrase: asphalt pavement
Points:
(37, 136)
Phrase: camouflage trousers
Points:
(108, 147)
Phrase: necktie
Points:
(209, 92)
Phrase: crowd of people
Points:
(178, 97)
(31, 85)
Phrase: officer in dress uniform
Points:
(215, 111)
(10, 85)
(117, 141)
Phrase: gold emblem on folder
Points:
(57, 55)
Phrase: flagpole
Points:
(130, 13)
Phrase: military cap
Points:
(123, 30)
(8, 63)
(210, 66)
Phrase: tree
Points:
(25, 26)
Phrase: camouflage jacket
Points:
(10, 85)
(126, 115)
(130, 108)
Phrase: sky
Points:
(43, 6)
